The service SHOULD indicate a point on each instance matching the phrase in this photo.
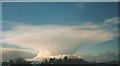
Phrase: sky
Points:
(83, 28)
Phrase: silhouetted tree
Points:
(19, 60)
(11, 61)
(65, 60)
(5, 63)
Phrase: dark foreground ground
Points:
(65, 65)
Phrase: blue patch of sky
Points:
(61, 0)
(10, 46)
(60, 13)
(13, 46)
(0, 17)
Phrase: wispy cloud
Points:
(112, 21)
(80, 6)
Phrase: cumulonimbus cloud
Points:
(57, 39)
(54, 38)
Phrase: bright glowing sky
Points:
(94, 23)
